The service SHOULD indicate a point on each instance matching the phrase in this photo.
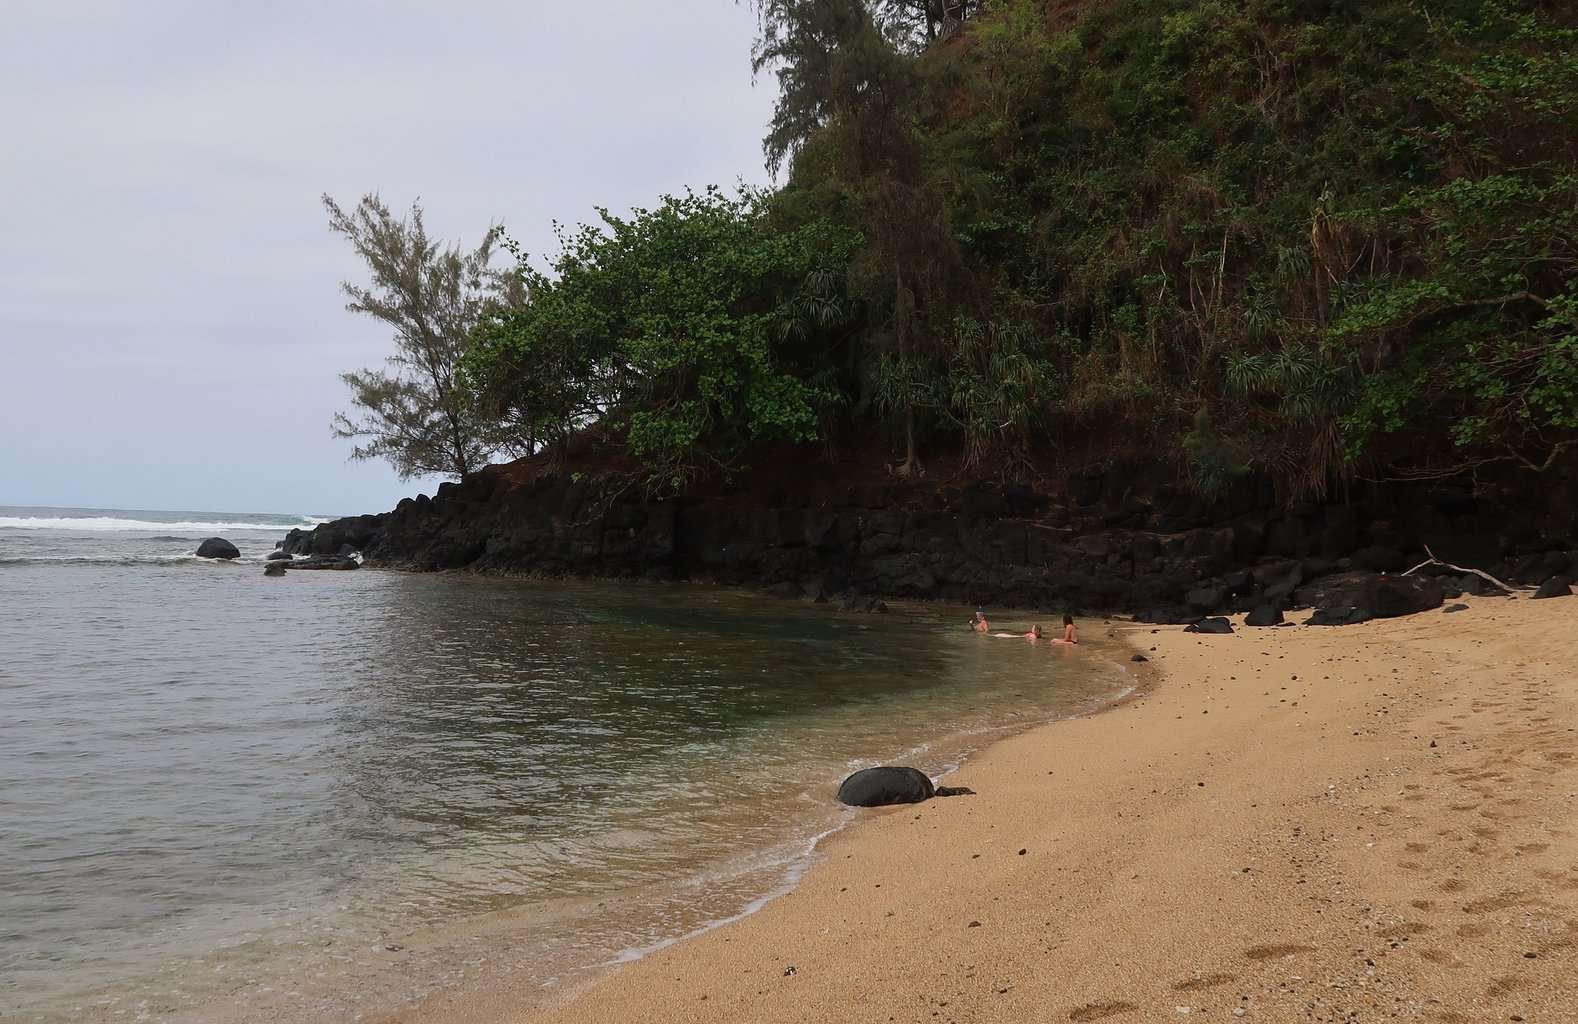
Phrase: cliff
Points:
(1125, 537)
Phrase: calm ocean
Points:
(228, 797)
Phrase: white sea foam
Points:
(101, 524)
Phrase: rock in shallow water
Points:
(217, 547)
(277, 556)
(324, 562)
(274, 569)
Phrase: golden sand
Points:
(1368, 823)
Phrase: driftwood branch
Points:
(1433, 560)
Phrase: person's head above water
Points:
(1035, 631)
(1068, 620)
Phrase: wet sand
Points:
(1374, 822)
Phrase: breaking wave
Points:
(112, 524)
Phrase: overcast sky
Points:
(171, 328)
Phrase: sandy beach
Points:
(1367, 823)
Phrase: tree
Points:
(674, 331)
(417, 413)
(843, 72)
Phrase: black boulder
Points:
(217, 547)
(1217, 625)
(1383, 597)
(1264, 615)
(1556, 586)
(1346, 616)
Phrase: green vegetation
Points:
(417, 414)
(1318, 239)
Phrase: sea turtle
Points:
(880, 787)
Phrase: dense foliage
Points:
(676, 329)
(1316, 238)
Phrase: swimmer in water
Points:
(1070, 634)
(1035, 632)
(978, 622)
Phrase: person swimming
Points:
(978, 622)
(1070, 634)
(1035, 632)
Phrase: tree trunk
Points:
(901, 327)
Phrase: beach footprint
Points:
(1276, 952)
(1100, 1011)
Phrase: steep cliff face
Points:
(1120, 538)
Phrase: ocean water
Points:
(230, 797)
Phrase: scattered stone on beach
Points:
(1264, 615)
(1139, 657)
(1556, 586)
(217, 547)
(274, 569)
(1454, 608)
(277, 556)
(1349, 616)
(882, 787)
(1216, 624)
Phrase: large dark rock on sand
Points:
(217, 547)
(880, 787)
(1264, 615)
(1217, 624)
(1556, 586)
(1384, 597)
(1348, 616)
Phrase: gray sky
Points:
(171, 327)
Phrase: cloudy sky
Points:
(171, 329)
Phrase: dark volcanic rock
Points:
(274, 569)
(1129, 535)
(1384, 597)
(324, 562)
(1454, 608)
(879, 787)
(1213, 625)
(1556, 586)
(1167, 616)
(1380, 559)
(217, 547)
(277, 556)
(1348, 616)
(1540, 567)
(1209, 598)
(1264, 615)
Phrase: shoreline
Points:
(957, 749)
(1308, 838)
